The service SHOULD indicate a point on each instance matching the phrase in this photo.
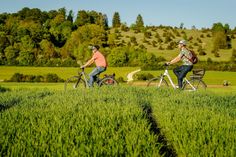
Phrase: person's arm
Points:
(88, 63)
(175, 60)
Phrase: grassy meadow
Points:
(63, 72)
(201, 38)
(211, 77)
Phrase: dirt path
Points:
(142, 83)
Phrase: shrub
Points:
(52, 78)
(147, 34)
(208, 35)
(202, 36)
(120, 79)
(161, 48)
(38, 78)
(133, 40)
(202, 53)
(124, 28)
(142, 46)
(143, 77)
(216, 54)
(3, 89)
(17, 77)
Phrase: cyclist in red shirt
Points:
(100, 61)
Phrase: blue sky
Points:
(200, 13)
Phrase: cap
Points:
(183, 42)
(94, 47)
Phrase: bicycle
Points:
(195, 82)
(81, 81)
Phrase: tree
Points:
(92, 34)
(31, 28)
(98, 19)
(118, 57)
(34, 14)
(60, 29)
(3, 41)
(70, 16)
(181, 25)
(62, 11)
(27, 51)
(233, 57)
(26, 57)
(227, 28)
(116, 20)
(112, 40)
(48, 50)
(77, 45)
(3, 18)
(11, 54)
(82, 18)
(194, 27)
(219, 37)
(148, 61)
(139, 22)
(104, 21)
(217, 27)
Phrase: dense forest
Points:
(32, 37)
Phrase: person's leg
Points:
(185, 69)
(93, 75)
(177, 72)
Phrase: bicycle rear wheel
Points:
(108, 81)
(158, 82)
(198, 84)
(75, 82)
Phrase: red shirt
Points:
(99, 59)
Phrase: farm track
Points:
(166, 150)
(140, 83)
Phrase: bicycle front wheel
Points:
(158, 82)
(198, 84)
(108, 81)
(75, 82)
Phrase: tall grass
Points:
(198, 124)
(117, 121)
(88, 123)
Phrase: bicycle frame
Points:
(84, 77)
(83, 74)
(166, 73)
(82, 80)
(187, 81)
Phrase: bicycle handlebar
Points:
(166, 64)
(82, 69)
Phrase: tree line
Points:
(32, 37)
